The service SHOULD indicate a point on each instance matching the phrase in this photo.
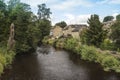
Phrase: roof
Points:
(76, 29)
(76, 26)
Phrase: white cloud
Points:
(114, 15)
(36, 2)
(115, 1)
(77, 19)
(69, 4)
(109, 2)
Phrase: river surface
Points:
(51, 64)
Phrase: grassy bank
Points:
(6, 58)
(107, 60)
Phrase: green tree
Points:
(20, 15)
(43, 11)
(3, 21)
(95, 34)
(29, 29)
(44, 23)
(62, 24)
(108, 18)
(118, 17)
(12, 4)
(115, 35)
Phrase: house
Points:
(56, 32)
(74, 30)
(70, 30)
(106, 25)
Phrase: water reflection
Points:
(51, 64)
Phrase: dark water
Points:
(50, 64)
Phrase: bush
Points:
(2, 60)
(71, 44)
(111, 63)
(107, 45)
(89, 53)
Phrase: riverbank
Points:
(109, 61)
(6, 58)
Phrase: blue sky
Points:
(77, 11)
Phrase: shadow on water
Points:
(53, 64)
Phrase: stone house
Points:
(73, 30)
(56, 32)
(70, 30)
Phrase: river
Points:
(49, 63)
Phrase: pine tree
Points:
(95, 33)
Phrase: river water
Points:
(51, 64)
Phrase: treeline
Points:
(30, 29)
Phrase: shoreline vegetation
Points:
(109, 61)
(6, 58)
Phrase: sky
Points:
(77, 11)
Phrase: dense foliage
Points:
(108, 18)
(30, 29)
(118, 17)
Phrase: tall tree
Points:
(95, 33)
(3, 21)
(62, 24)
(108, 18)
(44, 23)
(43, 12)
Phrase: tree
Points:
(3, 21)
(118, 17)
(62, 24)
(43, 20)
(108, 18)
(12, 4)
(115, 35)
(43, 12)
(95, 34)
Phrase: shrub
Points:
(89, 53)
